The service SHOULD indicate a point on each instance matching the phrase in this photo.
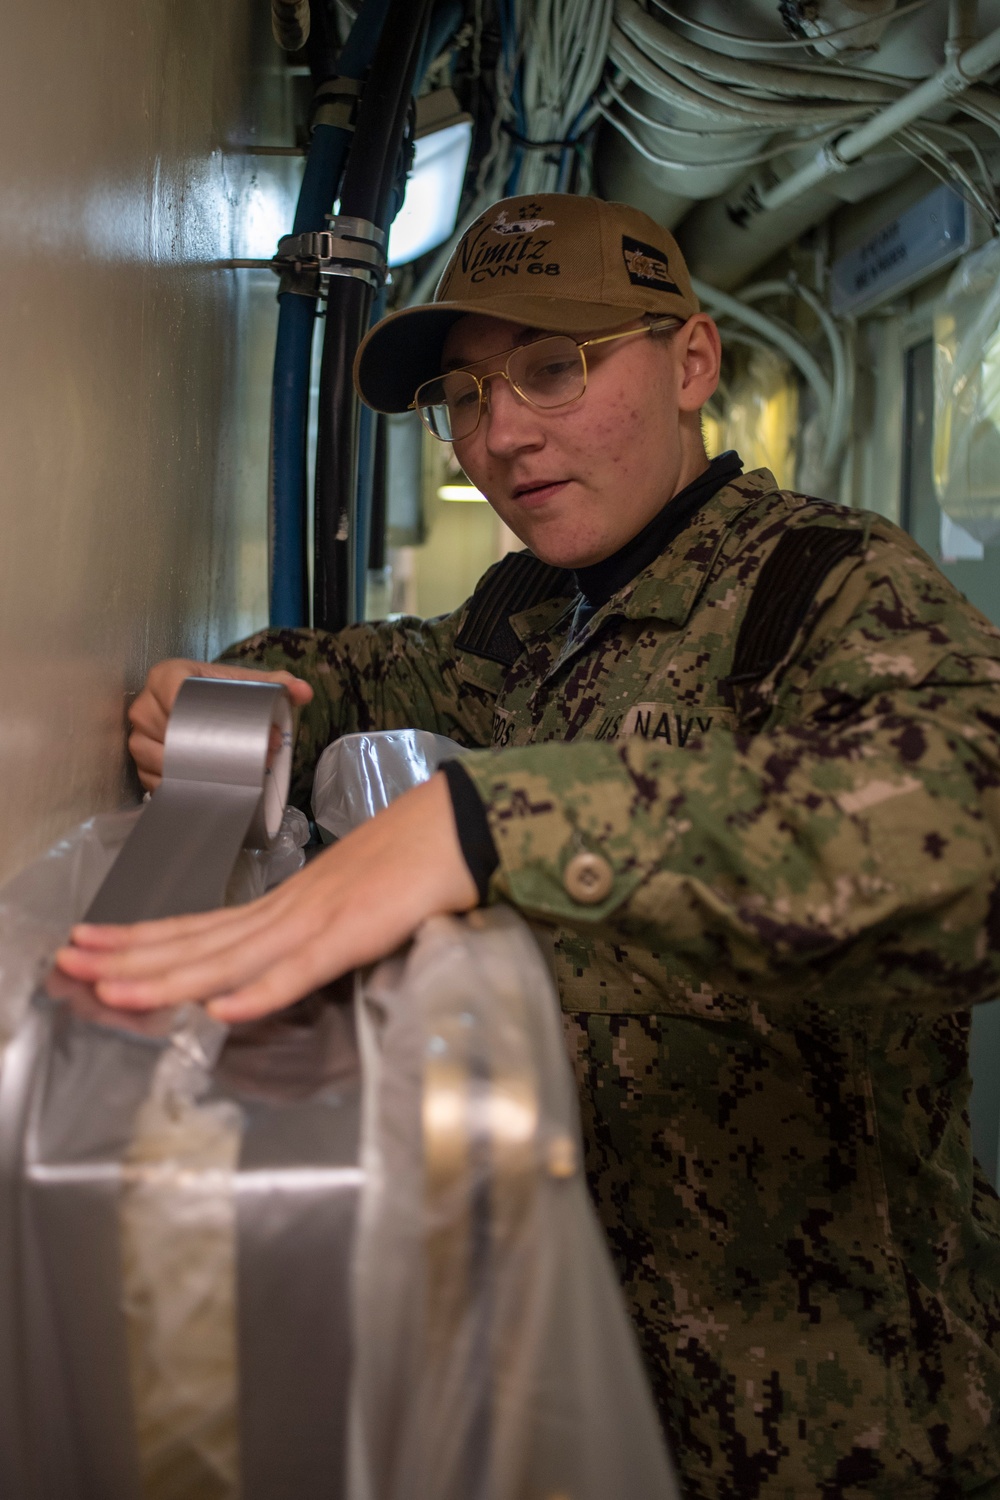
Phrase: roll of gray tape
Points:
(223, 786)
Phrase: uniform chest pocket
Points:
(628, 978)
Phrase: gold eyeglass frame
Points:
(605, 338)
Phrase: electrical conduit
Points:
(289, 600)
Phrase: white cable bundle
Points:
(564, 44)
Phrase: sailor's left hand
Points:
(353, 904)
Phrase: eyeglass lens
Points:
(550, 372)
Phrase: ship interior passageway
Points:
(502, 561)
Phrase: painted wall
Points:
(134, 372)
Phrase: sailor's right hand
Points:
(149, 713)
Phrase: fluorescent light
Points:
(433, 190)
(459, 492)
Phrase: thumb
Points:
(299, 690)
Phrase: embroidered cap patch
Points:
(646, 267)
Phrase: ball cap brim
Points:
(602, 264)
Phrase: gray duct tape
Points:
(218, 793)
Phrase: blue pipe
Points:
(446, 18)
(445, 21)
(289, 595)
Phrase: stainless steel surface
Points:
(134, 373)
(71, 1088)
(65, 1410)
(217, 793)
(296, 1197)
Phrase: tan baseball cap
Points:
(559, 262)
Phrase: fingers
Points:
(280, 985)
(355, 903)
(299, 690)
(121, 935)
(156, 964)
(148, 756)
(149, 713)
(179, 971)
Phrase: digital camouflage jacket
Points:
(780, 747)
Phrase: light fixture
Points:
(434, 186)
(459, 492)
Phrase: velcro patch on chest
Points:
(520, 581)
(786, 586)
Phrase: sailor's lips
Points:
(537, 492)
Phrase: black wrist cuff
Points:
(474, 834)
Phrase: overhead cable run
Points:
(697, 107)
(948, 83)
(551, 57)
(833, 34)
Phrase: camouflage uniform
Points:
(769, 1009)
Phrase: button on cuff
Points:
(588, 878)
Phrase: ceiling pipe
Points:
(828, 88)
(776, 336)
(836, 431)
(726, 239)
(947, 83)
(962, 17)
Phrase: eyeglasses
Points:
(548, 373)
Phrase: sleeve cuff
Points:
(474, 836)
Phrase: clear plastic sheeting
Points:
(360, 774)
(40, 903)
(494, 1359)
(967, 395)
(178, 1249)
(176, 1220)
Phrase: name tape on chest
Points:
(657, 722)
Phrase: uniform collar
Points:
(666, 589)
(599, 582)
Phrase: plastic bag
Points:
(360, 774)
(178, 1250)
(493, 1353)
(967, 395)
(135, 1142)
(40, 903)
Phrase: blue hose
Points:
(289, 595)
(445, 21)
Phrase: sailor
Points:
(746, 767)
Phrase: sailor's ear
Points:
(698, 351)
